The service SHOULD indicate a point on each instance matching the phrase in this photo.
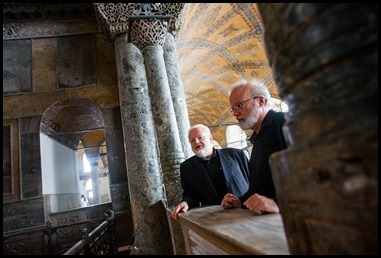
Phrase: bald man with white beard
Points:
(211, 173)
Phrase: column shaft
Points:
(143, 168)
(177, 93)
(171, 154)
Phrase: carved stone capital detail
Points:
(113, 18)
(148, 32)
(174, 10)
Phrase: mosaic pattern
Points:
(218, 44)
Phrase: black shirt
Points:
(270, 139)
(214, 171)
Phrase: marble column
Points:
(147, 115)
(177, 92)
(167, 132)
(325, 61)
(182, 118)
(149, 36)
(143, 167)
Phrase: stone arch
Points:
(66, 126)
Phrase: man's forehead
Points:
(196, 131)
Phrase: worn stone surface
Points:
(177, 93)
(17, 66)
(171, 154)
(38, 42)
(75, 70)
(115, 147)
(44, 58)
(14, 214)
(212, 230)
(143, 168)
(327, 179)
(30, 163)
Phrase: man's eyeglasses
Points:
(241, 104)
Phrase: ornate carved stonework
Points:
(148, 32)
(9, 30)
(114, 18)
(176, 12)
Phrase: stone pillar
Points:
(325, 61)
(146, 25)
(177, 93)
(171, 154)
(167, 132)
(143, 167)
(149, 36)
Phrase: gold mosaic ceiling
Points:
(218, 44)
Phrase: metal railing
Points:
(100, 241)
(58, 240)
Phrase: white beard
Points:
(203, 153)
(250, 121)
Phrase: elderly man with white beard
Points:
(211, 173)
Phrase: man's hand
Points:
(259, 204)
(181, 207)
(230, 201)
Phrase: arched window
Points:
(236, 138)
(279, 105)
(216, 144)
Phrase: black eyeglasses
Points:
(241, 104)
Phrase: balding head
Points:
(200, 139)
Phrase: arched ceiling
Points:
(219, 44)
(73, 120)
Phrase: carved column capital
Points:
(148, 32)
(114, 18)
(176, 12)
